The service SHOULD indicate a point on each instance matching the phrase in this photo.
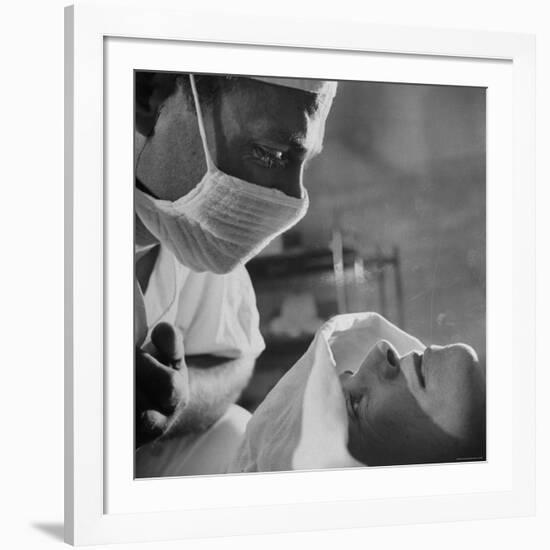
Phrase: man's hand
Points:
(177, 395)
(162, 383)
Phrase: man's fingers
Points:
(150, 424)
(165, 387)
(169, 343)
(142, 402)
(153, 422)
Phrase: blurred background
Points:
(396, 225)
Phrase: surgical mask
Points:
(224, 221)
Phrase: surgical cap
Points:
(324, 88)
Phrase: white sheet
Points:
(302, 423)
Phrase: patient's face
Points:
(418, 408)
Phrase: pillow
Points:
(302, 424)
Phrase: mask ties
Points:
(209, 162)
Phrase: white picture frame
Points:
(103, 503)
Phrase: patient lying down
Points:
(367, 393)
(421, 407)
(364, 394)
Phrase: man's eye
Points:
(269, 158)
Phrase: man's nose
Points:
(292, 184)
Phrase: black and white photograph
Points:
(310, 274)
(275, 275)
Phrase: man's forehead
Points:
(258, 94)
(273, 109)
(287, 129)
(301, 136)
(325, 90)
(273, 115)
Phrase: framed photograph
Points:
(299, 274)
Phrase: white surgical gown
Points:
(217, 315)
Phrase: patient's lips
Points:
(417, 362)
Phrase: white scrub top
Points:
(216, 314)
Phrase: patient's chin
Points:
(393, 457)
(400, 451)
(397, 453)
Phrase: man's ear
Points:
(139, 144)
(151, 91)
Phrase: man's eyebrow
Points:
(281, 139)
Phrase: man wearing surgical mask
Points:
(219, 174)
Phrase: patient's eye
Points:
(268, 157)
(353, 402)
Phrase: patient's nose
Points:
(390, 364)
(382, 360)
